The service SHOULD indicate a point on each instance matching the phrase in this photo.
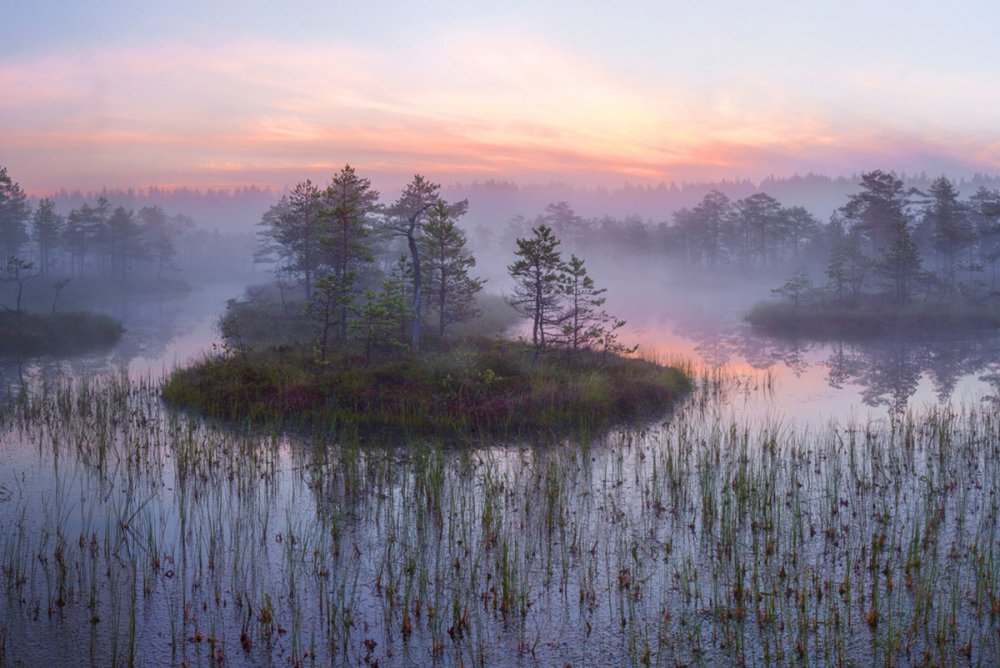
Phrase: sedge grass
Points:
(703, 540)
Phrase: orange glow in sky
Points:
(473, 106)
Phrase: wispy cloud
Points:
(474, 105)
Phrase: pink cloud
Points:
(271, 114)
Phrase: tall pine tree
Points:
(538, 290)
(349, 202)
(14, 212)
(46, 228)
(406, 219)
(451, 290)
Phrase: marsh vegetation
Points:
(338, 351)
(804, 502)
(138, 535)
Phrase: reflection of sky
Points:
(775, 379)
(814, 382)
(161, 333)
(194, 334)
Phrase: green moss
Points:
(57, 334)
(483, 384)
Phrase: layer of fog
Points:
(673, 307)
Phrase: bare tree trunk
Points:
(441, 301)
(415, 254)
(343, 274)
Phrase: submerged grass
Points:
(476, 384)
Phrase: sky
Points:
(119, 93)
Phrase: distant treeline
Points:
(216, 208)
(799, 221)
(491, 203)
(102, 237)
(754, 232)
(884, 236)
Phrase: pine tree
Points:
(877, 211)
(849, 266)
(796, 288)
(158, 235)
(14, 212)
(293, 233)
(46, 228)
(950, 226)
(124, 240)
(407, 217)
(584, 318)
(448, 261)
(349, 204)
(798, 226)
(399, 281)
(328, 307)
(985, 208)
(586, 324)
(565, 223)
(75, 237)
(18, 272)
(96, 230)
(538, 292)
(707, 225)
(900, 263)
(758, 218)
(377, 320)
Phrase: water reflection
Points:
(161, 332)
(888, 373)
(831, 378)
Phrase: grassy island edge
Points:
(474, 385)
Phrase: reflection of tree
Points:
(719, 341)
(151, 324)
(714, 353)
(761, 352)
(844, 364)
(991, 376)
(888, 370)
(948, 362)
(890, 374)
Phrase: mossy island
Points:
(375, 320)
(24, 332)
(475, 384)
(902, 262)
(60, 334)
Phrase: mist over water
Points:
(175, 539)
(530, 334)
(674, 313)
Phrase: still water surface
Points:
(132, 535)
